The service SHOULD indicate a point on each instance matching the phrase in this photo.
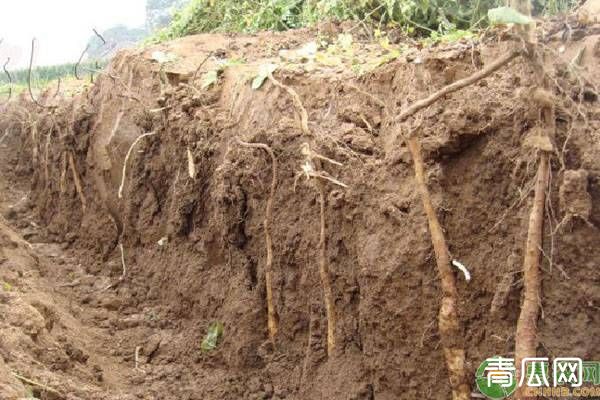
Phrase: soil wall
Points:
(209, 264)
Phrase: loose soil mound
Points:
(191, 215)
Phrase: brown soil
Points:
(61, 327)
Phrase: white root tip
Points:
(464, 269)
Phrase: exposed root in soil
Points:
(272, 319)
(127, 156)
(297, 103)
(377, 306)
(77, 180)
(449, 327)
(459, 84)
(3, 137)
(371, 96)
(37, 384)
(310, 171)
(526, 337)
(137, 359)
(62, 184)
(324, 273)
(124, 270)
(191, 164)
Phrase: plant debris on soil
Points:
(145, 254)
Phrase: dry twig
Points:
(9, 78)
(29, 80)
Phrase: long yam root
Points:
(309, 169)
(324, 273)
(526, 337)
(449, 326)
(272, 320)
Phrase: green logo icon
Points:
(496, 377)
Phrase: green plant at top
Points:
(419, 17)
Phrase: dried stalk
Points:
(448, 324)
(272, 320)
(76, 67)
(29, 79)
(9, 78)
(99, 36)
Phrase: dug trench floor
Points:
(57, 325)
(70, 329)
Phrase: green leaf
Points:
(263, 73)
(507, 15)
(209, 78)
(214, 334)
